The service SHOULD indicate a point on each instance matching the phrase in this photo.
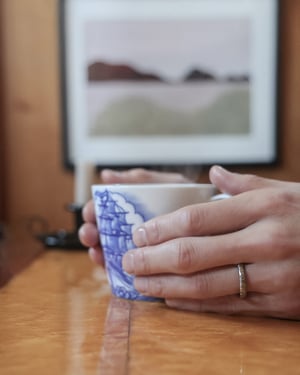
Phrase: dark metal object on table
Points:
(63, 239)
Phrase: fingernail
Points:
(218, 169)
(141, 284)
(128, 262)
(112, 172)
(140, 237)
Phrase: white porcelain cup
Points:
(120, 209)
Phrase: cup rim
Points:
(156, 185)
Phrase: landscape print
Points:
(168, 77)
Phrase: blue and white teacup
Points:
(120, 209)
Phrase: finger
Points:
(218, 217)
(235, 183)
(203, 285)
(269, 305)
(140, 175)
(88, 235)
(211, 218)
(96, 255)
(88, 212)
(220, 282)
(186, 255)
(258, 243)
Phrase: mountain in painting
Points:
(101, 71)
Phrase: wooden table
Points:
(57, 317)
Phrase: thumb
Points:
(235, 183)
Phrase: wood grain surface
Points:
(58, 317)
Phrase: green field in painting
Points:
(134, 116)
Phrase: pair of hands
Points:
(189, 257)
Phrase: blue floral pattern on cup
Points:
(117, 214)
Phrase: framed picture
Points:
(169, 82)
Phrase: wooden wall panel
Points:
(2, 177)
(38, 185)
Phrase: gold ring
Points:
(243, 281)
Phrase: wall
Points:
(36, 182)
(2, 195)
(35, 179)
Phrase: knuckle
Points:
(202, 284)
(143, 264)
(154, 234)
(272, 237)
(156, 287)
(284, 197)
(277, 200)
(192, 219)
(186, 257)
(275, 243)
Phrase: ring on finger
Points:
(242, 280)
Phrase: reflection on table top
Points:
(57, 317)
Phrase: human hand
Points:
(189, 257)
(88, 233)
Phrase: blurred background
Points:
(33, 180)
